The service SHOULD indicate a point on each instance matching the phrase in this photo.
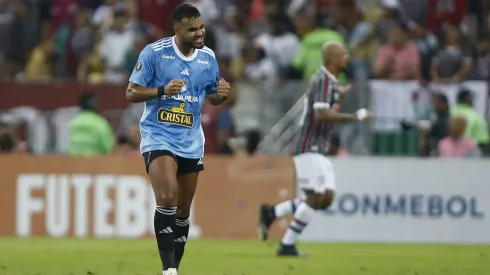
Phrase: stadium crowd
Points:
(259, 41)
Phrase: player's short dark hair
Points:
(87, 101)
(464, 95)
(185, 11)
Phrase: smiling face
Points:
(191, 32)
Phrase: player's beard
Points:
(193, 44)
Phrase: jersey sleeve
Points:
(145, 68)
(212, 87)
(320, 94)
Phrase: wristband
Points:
(361, 114)
(161, 91)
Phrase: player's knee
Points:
(183, 211)
(167, 197)
(314, 200)
(327, 199)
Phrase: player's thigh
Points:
(187, 177)
(329, 184)
(310, 171)
(162, 168)
(310, 177)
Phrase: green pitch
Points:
(42, 256)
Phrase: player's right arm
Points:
(323, 100)
(325, 113)
(138, 88)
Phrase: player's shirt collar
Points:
(331, 76)
(179, 54)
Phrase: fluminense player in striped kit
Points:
(314, 171)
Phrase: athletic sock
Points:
(285, 208)
(163, 223)
(181, 234)
(303, 215)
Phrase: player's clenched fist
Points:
(223, 89)
(174, 87)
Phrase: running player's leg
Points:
(187, 187)
(162, 169)
(317, 181)
(304, 214)
(269, 213)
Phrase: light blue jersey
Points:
(173, 123)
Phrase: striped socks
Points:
(303, 215)
(285, 208)
(164, 225)
(181, 234)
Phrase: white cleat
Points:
(170, 271)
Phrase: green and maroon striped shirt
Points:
(312, 135)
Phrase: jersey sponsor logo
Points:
(202, 62)
(185, 72)
(168, 57)
(184, 98)
(138, 66)
(176, 116)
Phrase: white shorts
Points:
(314, 172)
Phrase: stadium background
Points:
(57, 54)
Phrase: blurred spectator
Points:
(390, 18)
(439, 129)
(9, 141)
(60, 12)
(457, 144)
(131, 116)
(279, 44)
(477, 128)
(12, 51)
(91, 68)
(398, 59)
(442, 12)
(158, 13)
(208, 9)
(83, 38)
(357, 43)
(132, 55)
(334, 148)
(309, 57)
(73, 40)
(259, 67)
(114, 46)
(139, 27)
(90, 133)
(104, 15)
(452, 64)
(218, 128)
(40, 64)
(481, 67)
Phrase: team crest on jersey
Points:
(138, 66)
(176, 116)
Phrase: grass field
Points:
(42, 256)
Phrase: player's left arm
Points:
(219, 88)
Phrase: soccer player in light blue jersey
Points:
(173, 76)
